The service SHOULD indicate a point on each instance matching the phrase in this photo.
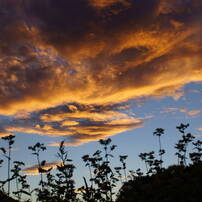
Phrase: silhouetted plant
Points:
(139, 173)
(2, 182)
(122, 159)
(158, 132)
(36, 149)
(143, 157)
(196, 156)
(152, 164)
(87, 160)
(182, 144)
(10, 141)
(148, 158)
(118, 171)
(21, 182)
(60, 187)
(1, 161)
(65, 183)
(104, 179)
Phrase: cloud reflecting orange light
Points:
(33, 170)
(113, 51)
(75, 123)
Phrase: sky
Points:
(83, 70)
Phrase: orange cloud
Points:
(106, 3)
(113, 51)
(83, 114)
(75, 123)
(3, 134)
(42, 130)
(194, 112)
(169, 109)
(33, 170)
(95, 133)
(147, 53)
(191, 112)
(182, 110)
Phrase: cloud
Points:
(182, 110)
(67, 51)
(107, 3)
(200, 129)
(93, 53)
(169, 109)
(76, 124)
(191, 112)
(3, 134)
(33, 170)
(194, 112)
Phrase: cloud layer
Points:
(76, 124)
(95, 53)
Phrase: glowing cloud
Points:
(94, 52)
(76, 124)
(96, 63)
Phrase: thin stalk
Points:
(91, 176)
(65, 174)
(185, 152)
(160, 156)
(125, 174)
(146, 166)
(9, 164)
(17, 187)
(120, 177)
(40, 172)
(107, 160)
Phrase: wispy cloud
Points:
(190, 112)
(169, 109)
(182, 110)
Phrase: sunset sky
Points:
(83, 70)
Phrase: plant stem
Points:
(160, 150)
(125, 174)
(90, 171)
(146, 166)
(9, 162)
(40, 172)
(17, 187)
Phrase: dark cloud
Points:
(72, 25)
(94, 53)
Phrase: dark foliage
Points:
(176, 183)
(5, 198)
